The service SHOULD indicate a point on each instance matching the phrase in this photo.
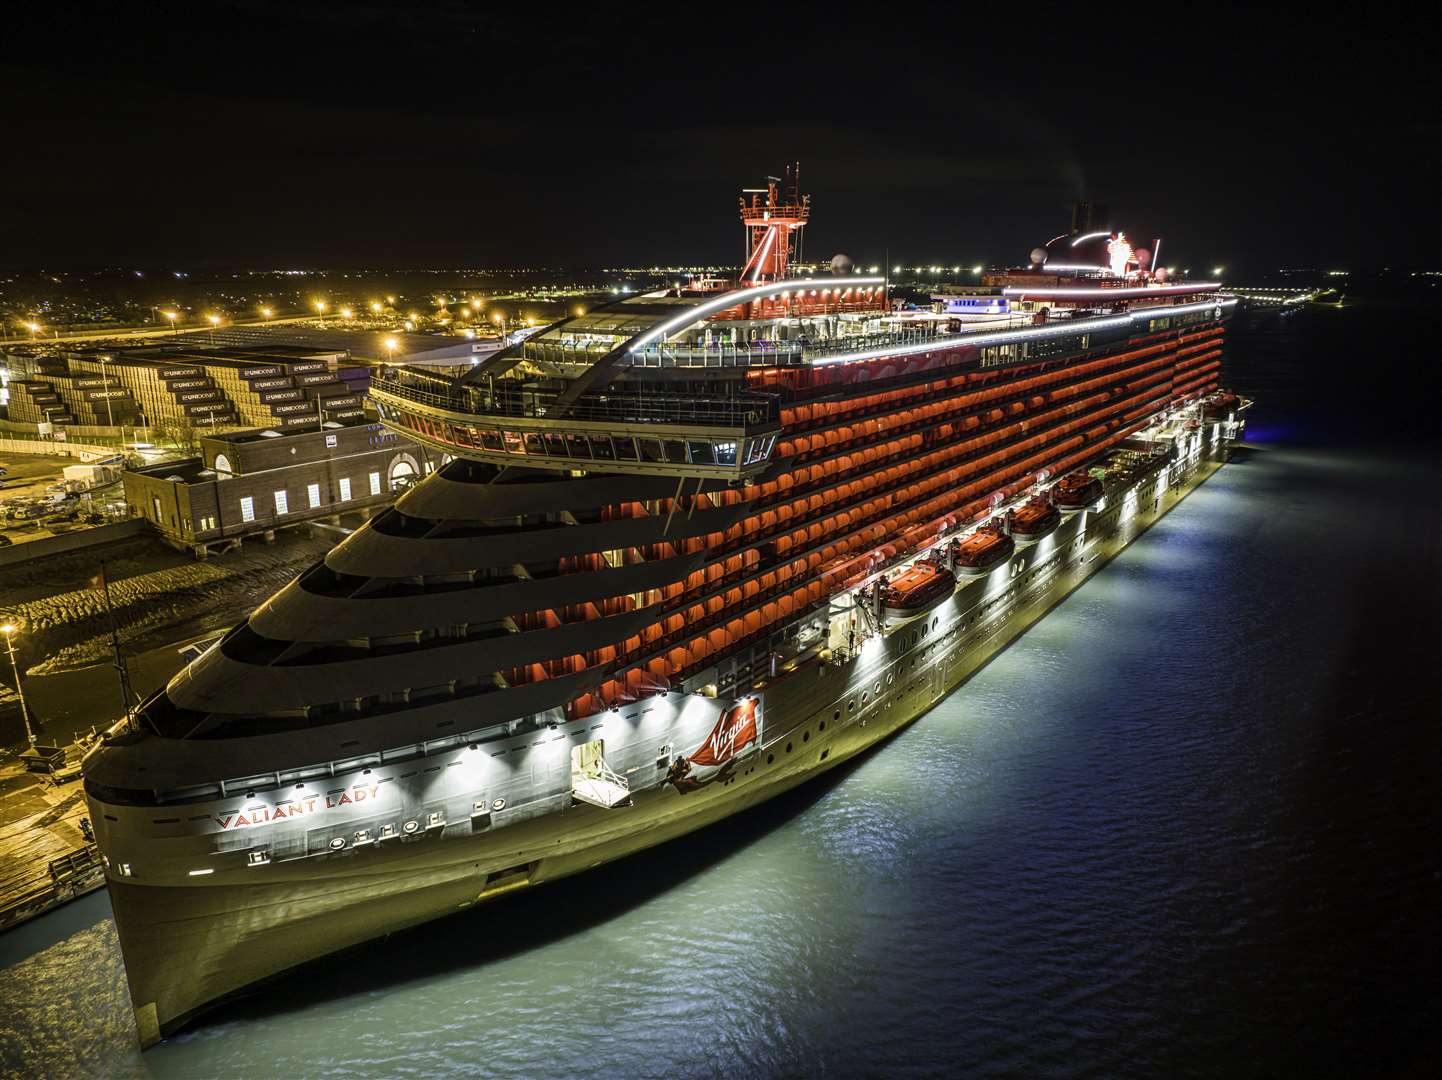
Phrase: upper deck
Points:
(655, 383)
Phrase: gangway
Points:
(595, 782)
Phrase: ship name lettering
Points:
(265, 814)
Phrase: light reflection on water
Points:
(1137, 843)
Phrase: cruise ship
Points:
(687, 550)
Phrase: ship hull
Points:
(192, 942)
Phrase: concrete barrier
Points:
(42, 447)
(30, 550)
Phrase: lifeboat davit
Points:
(1036, 518)
(981, 552)
(916, 590)
(1077, 491)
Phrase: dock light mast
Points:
(773, 227)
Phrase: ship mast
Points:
(773, 227)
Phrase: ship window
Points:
(836, 715)
(770, 758)
(877, 688)
(806, 736)
(788, 748)
(851, 705)
(247, 509)
(865, 697)
(124, 870)
(344, 488)
(701, 454)
(821, 726)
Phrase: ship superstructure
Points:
(687, 551)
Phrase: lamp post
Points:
(9, 631)
(172, 316)
(105, 381)
(320, 310)
(214, 321)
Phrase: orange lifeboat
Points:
(981, 552)
(1221, 406)
(1076, 491)
(1036, 518)
(919, 588)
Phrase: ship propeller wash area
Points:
(680, 554)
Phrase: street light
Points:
(266, 312)
(390, 344)
(347, 313)
(9, 631)
(105, 381)
(375, 307)
(320, 309)
(214, 321)
(34, 328)
(172, 316)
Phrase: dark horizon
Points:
(263, 135)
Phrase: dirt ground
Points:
(158, 596)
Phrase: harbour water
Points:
(1184, 827)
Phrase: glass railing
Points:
(614, 406)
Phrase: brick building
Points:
(250, 483)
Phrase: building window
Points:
(312, 492)
(280, 503)
(344, 488)
(247, 509)
(375, 483)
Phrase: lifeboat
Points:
(1036, 518)
(982, 551)
(919, 588)
(1076, 491)
(1221, 406)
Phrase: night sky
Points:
(263, 134)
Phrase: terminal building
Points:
(251, 483)
(268, 386)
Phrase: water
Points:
(1184, 827)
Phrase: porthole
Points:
(877, 688)
(851, 705)
(865, 697)
(890, 677)
(821, 726)
(935, 623)
(836, 715)
(770, 758)
(806, 736)
(825, 753)
(788, 748)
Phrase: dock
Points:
(45, 858)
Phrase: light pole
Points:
(172, 316)
(390, 344)
(105, 381)
(320, 310)
(9, 631)
(214, 321)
